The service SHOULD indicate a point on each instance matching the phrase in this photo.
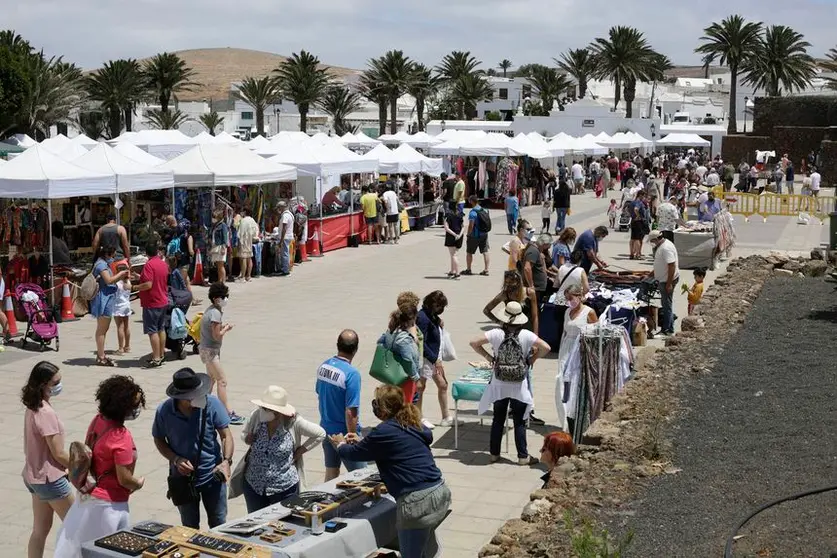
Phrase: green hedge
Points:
(805, 111)
(797, 142)
(738, 147)
(828, 163)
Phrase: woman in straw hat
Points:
(514, 351)
(273, 468)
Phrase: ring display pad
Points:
(123, 542)
(351, 494)
(213, 544)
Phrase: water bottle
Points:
(317, 527)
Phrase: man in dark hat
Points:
(206, 460)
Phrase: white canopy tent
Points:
(224, 165)
(539, 141)
(362, 140)
(57, 143)
(421, 140)
(642, 141)
(256, 143)
(165, 144)
(20, 140)
(204, 138)
(40, 174)
(323, 160)
(133, 152)
(522, 143)
(84, 141)
(398, 137)
(404, 160)
(621, 140)
(131, 176)
(461, 135)
(406, 152)
(67, 151)
(683, 140)
(224, 137)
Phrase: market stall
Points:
(280, 531)
(165, 144)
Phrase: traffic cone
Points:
(303, 252)
(10, 314)
(198, 277)
(66, 303)
(314, 244)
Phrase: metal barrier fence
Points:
(785, 205)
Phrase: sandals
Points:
(104, 362)
(467, 272)
(154, 363)
(484, 273)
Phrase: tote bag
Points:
(448, 352)
(386, 367)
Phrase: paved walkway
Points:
(286, 327)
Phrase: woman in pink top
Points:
(114, 458)
(45, 471)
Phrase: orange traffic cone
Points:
(314, 244)
(303, 252)
(66, 303)
(198, 277)
(10, 314)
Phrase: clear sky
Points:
(348, 32)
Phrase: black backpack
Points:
(510, 364)
(483, 220)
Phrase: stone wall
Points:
(738, 147)
(798, 141)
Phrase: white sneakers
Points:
(428, 424)
(449, 422)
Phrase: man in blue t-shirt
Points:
(338, 391)
(588, 245)
(512, 211)
(475, 239)
(177, 427)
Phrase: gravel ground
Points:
(760, 426)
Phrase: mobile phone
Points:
(334, 526)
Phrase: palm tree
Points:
(303, 81)
(395, 72)
(577, 63)
(422, 86)
(624, 57)
(731, 42)
(211, 120)
(504, 65)
(457, 64)
(830, 65)
(118, 87)
(468, 90)
(258, 93)
(167, 75)
(166, 120)
(707, 60)
(339, 102)
(52, 94)
(781, 62)
(370, 86)
(550, 86)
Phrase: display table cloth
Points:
(368, 528)
(469, 387)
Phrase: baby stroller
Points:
(624, 222)
(41, 326)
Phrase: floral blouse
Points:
(270, 468)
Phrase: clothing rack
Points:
(602, 333)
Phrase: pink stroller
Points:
(41, 326)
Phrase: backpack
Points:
(81, 460)
(483, 221)
(177, 326)
(510, 364)
(174, 247)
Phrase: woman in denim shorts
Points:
(45, 469)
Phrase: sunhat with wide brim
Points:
(275, 398)
(188, 384)
(511, 313)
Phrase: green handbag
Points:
(387, 368)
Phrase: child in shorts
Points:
(546, 215)
(122, 315)
(213, 331)
(612, 213)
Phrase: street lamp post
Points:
(653, 137)
(746, 100)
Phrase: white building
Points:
(508, 94)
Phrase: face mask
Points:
(266, 416)
(573, 303)
(134, 415)
(375, 408)
(530, 234)
(56, 389)
(199, 403)
(222, 302)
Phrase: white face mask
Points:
(266, 416)
(199, 403)
(222, 302)
(135, 415)
(56, 390)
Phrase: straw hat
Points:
(275, 398)
(511, 313)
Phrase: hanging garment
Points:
(482, 179)
(572, 329)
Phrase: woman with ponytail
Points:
(404, 339)
(400, 446)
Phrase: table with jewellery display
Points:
(469, 387)
(358, 514)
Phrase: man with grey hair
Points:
(533, 266)
(286, 236)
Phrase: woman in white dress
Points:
(578, 315)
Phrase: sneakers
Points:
(495, 458)
(236, 419)
(527, 461)
(428, 424)
(449, 422)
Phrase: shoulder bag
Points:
(387, 367)
(182, 489)
(561, 284)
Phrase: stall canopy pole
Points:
(51, 263)
(351, 205)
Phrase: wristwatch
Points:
(229, 461)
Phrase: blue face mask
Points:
(56, 389)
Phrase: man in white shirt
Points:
(712, 179)
(816, 180)
(286, 236)
(667, 274)
(393, 226)
(578, 178)
(668, 218)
